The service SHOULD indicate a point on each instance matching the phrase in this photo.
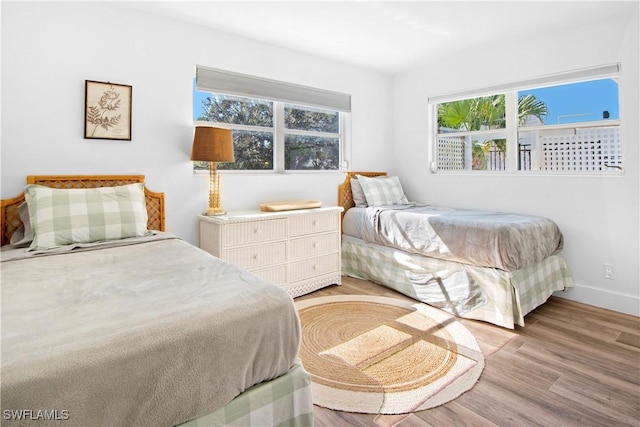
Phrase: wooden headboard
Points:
(10, 219)
(345, 197)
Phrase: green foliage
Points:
(478, 156)
(481, 151)
(485, 113)
(305, 119)
(254, 149)
(529, 105)
(311, 152)
(234, 110)
(473, 114)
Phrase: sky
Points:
(198, 97)
(579, 102)
(569, 103)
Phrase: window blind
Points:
(594, 73)
(229, 83)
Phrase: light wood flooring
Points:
(571, 365)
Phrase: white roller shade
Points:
(594, 73)
(220, 81)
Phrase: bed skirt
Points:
(286, 400)
(488, 294)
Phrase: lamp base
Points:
(214, 212)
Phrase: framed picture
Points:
(107, 110)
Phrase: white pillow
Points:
(359, 198)
(383, 190)
(22, 237)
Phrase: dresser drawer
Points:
(276, 274)
(314, 245)
(300, 225)
(312, 267)
(257, 256)
(254, 232)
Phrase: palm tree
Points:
(486, 113)
(529, 105)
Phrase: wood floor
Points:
(571, 365)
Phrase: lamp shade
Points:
(212, 144)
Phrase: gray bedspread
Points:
(506, 241)
(149, 334)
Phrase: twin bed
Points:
(481, 265)
(139, 328)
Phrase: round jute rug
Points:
(382, 355)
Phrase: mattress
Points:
(506, 241)
(152, 333)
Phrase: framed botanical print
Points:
(107, 109)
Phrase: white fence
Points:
(451, 152)
(589, 149)
(564, 149)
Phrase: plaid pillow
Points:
(381, 191)
(82, 215)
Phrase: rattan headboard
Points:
(10, 219)
(345, 197)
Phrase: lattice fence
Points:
(590, 149)
(450, 153)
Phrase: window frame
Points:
(512, 128)
(279, 132)
(279, 93)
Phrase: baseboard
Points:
(616, 301)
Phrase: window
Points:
(277, 126)
(472, 134)
(568, 123)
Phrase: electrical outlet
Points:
(608, 271)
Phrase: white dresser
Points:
(298, 250)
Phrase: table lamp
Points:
(213, 145)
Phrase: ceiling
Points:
(387, 36)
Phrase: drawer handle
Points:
(314, 245)
(315, 222)
(256, 230)
(314, 267)
(255, 257)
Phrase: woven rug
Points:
(381, 355)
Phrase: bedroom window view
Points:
(310, 138)
(566, 128)
(252, 124)
(580, 130)
(472, 132)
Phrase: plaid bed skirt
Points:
(489, 294)
(284, 401)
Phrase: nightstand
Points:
(298, 250)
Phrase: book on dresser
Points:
(298, 250)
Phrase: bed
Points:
(489, 266)
(140, 328)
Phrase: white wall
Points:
(598, 215)
(50, 48)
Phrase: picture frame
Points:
(107, 110)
